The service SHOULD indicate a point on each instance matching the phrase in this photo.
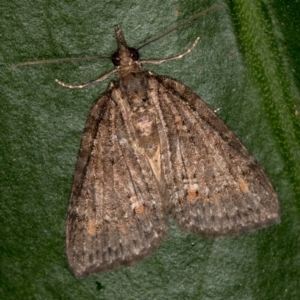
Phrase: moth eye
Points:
(116, 59)
(134, 54)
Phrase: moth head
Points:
(125, 55)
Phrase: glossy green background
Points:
(246, 65)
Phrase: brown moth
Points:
(153, 147)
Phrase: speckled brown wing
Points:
(219, 188)
(112, 218)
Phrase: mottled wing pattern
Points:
(112, 219)
(219, 188)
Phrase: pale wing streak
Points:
(137, 193)
(132, 225)
(139, 156)
(166, 151)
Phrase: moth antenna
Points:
(159, 61)
(57, 60)
(79, 59)
(216, 7)
(83, 85)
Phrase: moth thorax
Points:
(134, 87)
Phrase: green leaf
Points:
(246, 66)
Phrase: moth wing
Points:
(112, 218)
(219, 187)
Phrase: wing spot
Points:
(139, 209)
(243, 186)
(192, 194)
(91, 228)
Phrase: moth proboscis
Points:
(151, 147)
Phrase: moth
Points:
(151, 147)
